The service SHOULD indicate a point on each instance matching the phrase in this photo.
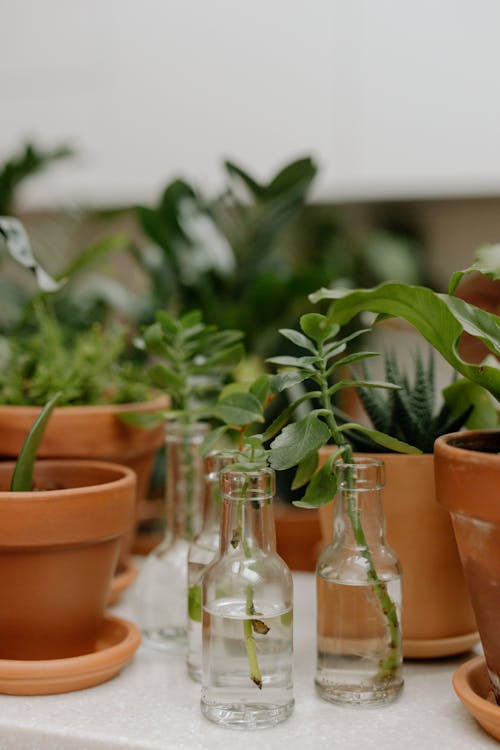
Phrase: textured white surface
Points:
(152, 705)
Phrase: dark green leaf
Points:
(323, 486)
(239, 409)
(317, 327)
(297, 440)
(299, 339)
(260, 388)
(486, 261)
(398, 446)
(22, 478)
(440, 318)
(305, 470)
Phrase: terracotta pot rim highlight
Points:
(160, 401)
(448, 447)
(119, 477)
(81, 514)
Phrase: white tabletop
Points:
(153, 705)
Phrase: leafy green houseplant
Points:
(192, 362)
(95, 374)
(253, 252)
(467, 469)
(299, 442)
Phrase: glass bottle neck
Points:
(247, 523)
(359, 517)
(212, 504)
(185, 479)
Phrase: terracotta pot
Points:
(298, 536)
(468, 484)
(90, 432)
(437, 615)
(58, 550)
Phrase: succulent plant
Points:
(409, 413)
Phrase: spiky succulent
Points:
(409, 413)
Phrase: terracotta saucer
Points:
(121, 581)
(430, 648)
(117, 641)
(473, 687)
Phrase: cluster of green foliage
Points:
(254, 252)
(91, 368)
(407, 413)
(29, 161)
(192, 361)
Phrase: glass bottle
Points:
(202, 550)
(359, 653)
(247, 611)
(160, 592)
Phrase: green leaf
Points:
(323, 486)
(93, 253)
(305, 470)
(224, 361)
(398, 446)
(440, 318)
(486, 261)
(194, 603)
(318, 327)
(288, 379)
(297, 440)
(235, 171)
(287, 361)
(351, 358)
(143, 420)
(299, 339)
(212, 439)
(164, 377)
(22, 478)
(287, 412)
(260, 388)
(239, 409)
(462, 394)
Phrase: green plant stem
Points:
(390, 662)
(249, 640)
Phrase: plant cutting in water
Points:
(240, 410)
(299, 442)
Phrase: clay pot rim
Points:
(122, 478)
(158, 402)
(445, 446)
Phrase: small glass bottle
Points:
(247, 680)
(202, 551)
(359, 653)
(160, 593)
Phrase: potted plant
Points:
(469, 460)
(418, 528)
(98, 383)
(61, 524)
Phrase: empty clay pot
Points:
(467, 466)
(59, 547)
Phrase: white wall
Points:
(393, 97)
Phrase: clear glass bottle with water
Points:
(160, 593)
(247, 679)
(359, 651)
(202, 551)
